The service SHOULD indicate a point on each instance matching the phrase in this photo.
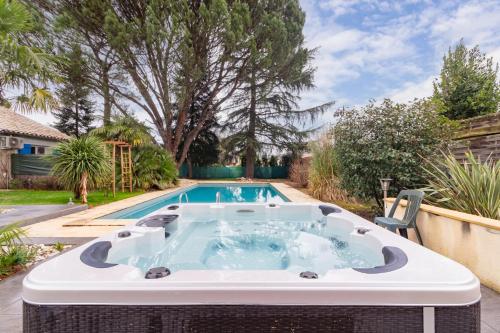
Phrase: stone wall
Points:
(481, 135)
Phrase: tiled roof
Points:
(15, 124)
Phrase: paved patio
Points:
(29, 214)
(11, 311)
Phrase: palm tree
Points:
(81, 163)
(127, 129)
(23, 67)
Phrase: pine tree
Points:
(264, 114)
(75, 121)
(76, 115)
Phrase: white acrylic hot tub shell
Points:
(427, 279)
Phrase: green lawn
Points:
(34, 197)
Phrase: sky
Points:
(368, 49)
(372, 49)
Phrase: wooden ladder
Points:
(126, 167)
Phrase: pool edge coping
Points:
(181, 190)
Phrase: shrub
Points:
(387, 140)
(81, 163)
(153, 168)
(472, 187)
(273, 161)
(35, 183)
(12, 251)
(16, 256)
(324, 181)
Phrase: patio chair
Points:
(409, 219)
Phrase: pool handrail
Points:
(181, 195)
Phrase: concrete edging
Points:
(454, 215)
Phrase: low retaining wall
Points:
(472, 240)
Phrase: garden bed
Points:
(38, 253)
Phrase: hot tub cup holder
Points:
(308, 275)
(124, 234)
(157, 273)
(173, 207)
(362, 230)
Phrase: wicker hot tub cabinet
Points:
(245, 318)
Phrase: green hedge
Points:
(214, 172)
(36, 165)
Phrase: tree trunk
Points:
(106, 96)
(83, 188)
(250, 139)
(77, 120)
(76, 192)
(190, 167)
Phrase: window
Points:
(37, 150)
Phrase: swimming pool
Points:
(204, 193)
(251, 267)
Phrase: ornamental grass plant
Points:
(324, 181)
(471, 186)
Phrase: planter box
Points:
(472, 240)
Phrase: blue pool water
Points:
(205, 193)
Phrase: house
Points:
(21, 135)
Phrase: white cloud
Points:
(476, 22)
(403, 52)
(411, 90)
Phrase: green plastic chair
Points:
(409, 220)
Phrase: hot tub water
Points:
(256, 243)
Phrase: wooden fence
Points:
(481, 135)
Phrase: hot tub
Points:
(251, 268)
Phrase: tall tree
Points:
(23, 66)
(76, 114)
(80, 22)
(264, 110)
(75, 121)
(467, 86)
(165, 48)
(204, 150)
